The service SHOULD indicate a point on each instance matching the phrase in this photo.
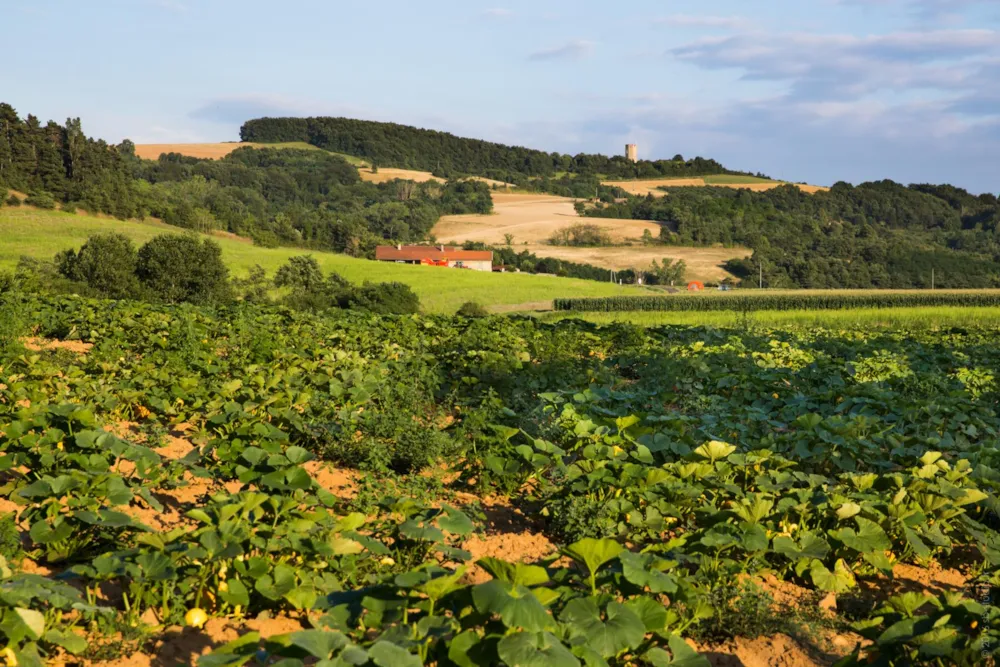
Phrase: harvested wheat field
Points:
(652, 186)
(705, 264)
(533, 218)
(204, 151)
(386, 174)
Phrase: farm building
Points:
(478, 260)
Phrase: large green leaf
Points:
(681, 655)
(868, 537)
(518, 574)
(234, 654)
(642, 570)
(387, 654)
(515, 605)
(33, 621)
(622, 630)
(593, 553)
(715, 450)
(318, 643)
(535, 649)
(840, 580)
(809, 545)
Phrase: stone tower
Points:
(632, 152)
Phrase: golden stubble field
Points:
(204, 151)
(533, 218)
(650, 187)
(219, 151)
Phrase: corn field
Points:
(750, 303)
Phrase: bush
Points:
(106, 263)
(472, 309)
(299, 273)
(41, 200)
(254, 288)
(183, 268)
(69, 207)
(581, 235)
(265, 239)
(382, 298)
(13, 200)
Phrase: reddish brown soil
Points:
(777, 651)
(338, 481)
(509, 534)
(182, 646)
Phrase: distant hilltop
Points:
(444, 154)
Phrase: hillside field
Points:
(221, 150)
(533, 218)
(652, 186)
(42, 234)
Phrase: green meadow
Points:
(42, 234)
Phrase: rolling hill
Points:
(42, 234)
(533, 218)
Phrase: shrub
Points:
(382, 298)
(255, 287)
(183, 268)
(13, 323)
(41, 200)
(581, 235)
(299, 273)
(13, 200)
(472, 309)
(106, 263)
(69, 207)
(265, 239)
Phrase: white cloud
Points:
(498, 13)
(704, 21)
(572, 50)
(848, 67)
(169, 5)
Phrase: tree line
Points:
(303, 198)
(444, 154)
(186, 268)
(59, 164)
(881, 234)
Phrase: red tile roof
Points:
(415, 253)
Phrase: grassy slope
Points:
(42, 234)
(728, 179)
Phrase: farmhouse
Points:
(440, 255)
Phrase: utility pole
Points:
(761, 275)
(932, 278)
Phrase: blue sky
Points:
(817, 91)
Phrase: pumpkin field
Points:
(251, 485)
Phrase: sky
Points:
(816, 91)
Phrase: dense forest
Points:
(444, 154)
(304, 198)
(56, 162)
(299, 197)
(874, 235)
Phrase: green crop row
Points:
(747, 303)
